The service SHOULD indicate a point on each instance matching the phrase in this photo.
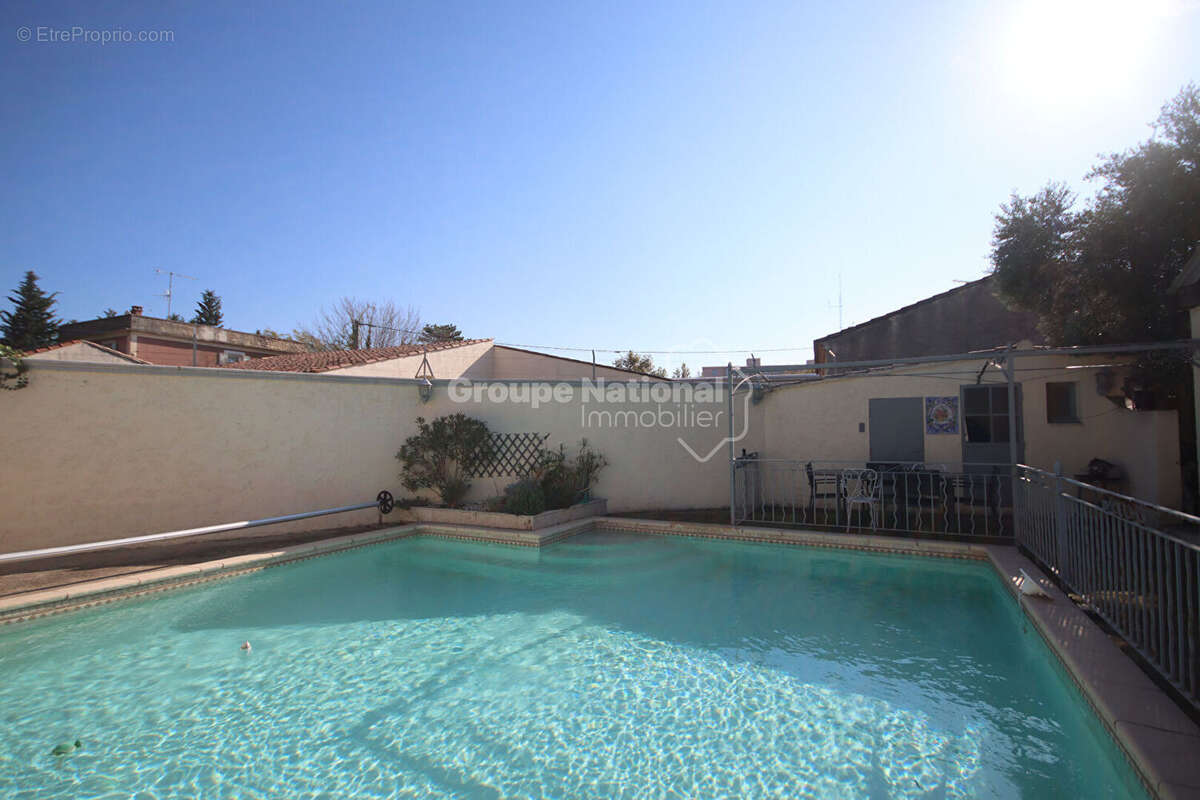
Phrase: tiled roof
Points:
(100, 347)
(327, 360)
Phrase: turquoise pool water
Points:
(609, 665)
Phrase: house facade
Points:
(174, 343)
(1069, 411)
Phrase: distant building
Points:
(177, 344)
(967, 318)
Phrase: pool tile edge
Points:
(44, 602)
(802, 538)
(1147, 725)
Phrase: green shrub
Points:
(564, 480)
(525, 497)
(18, 376)
(442, 454)
(557, 478)
(588, 464)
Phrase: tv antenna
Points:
(838, 305)
(171, 276)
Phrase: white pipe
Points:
(46, 552)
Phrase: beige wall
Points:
(79, 351)
(485, 361)
(469, 361)
(512, 363)
(819, 421)
(1144, 443)
(103, 451)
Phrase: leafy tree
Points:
(273, 334)
(31, 323)
(441, 333)
(1100, 273)
(109, 313)
(442, 454)
(175, 316)
(208, 310)
(681, 371)
(306, 338)
(639, 363)
(380, 324)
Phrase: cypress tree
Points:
(208, 310)
(31, 323)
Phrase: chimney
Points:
(135, 311)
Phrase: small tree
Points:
(681, 371)
(353, 324)
(31, 323)
(109, 313)
(441, 333)
(636, 362)
(176, 317)
(208, 310)
(442, 456)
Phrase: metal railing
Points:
(1135, 564)
(896, 497)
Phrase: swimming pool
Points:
(607, 665)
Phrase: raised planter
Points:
(497, 519)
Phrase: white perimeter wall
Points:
(96, 451)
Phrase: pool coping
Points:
(1159, 739)
(1154, 734)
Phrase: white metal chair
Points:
(862, 489)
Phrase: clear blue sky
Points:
(655, 176)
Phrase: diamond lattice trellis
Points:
(512, 454)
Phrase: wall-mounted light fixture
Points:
(425, 377)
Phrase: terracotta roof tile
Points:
(327, 360)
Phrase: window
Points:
(985, 413)
(232, 356)
(1060, 402)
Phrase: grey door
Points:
(897, 429)
(985, 425)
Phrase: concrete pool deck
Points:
(1160, 740)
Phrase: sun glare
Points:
(1059, 48)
